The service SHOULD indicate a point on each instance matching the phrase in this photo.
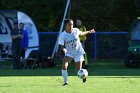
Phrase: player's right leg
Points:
(65, 64)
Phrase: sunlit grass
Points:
(104, 77)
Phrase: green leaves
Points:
(103, 15)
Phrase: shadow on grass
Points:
(102, 68)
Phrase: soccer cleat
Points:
(65, 84)
(84, 80)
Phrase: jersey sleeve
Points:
(61, 39)
(78, 31)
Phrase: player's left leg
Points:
(79, 61)
(78, 65)
(85, 65)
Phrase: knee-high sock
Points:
(65, 76)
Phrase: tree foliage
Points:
(107, 15)
(103, 15)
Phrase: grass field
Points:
(104, 77)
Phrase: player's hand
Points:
(64, 50)
(20, 36)
(92, 31)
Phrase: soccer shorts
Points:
(76, 58)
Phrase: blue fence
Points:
(98, 45)
(107, 33)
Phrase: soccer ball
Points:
(82, 73)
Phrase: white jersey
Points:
(72, 42)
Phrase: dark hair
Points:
(21, 23)
(67, 20)
(15, 23)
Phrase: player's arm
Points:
(87, 32)
(15, 36)
(61, 43)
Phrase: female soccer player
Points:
(70, 44)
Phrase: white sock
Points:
(65, 76)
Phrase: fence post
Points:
(95, 46)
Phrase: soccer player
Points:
(70, 44)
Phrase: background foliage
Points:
(103, 15)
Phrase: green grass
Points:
(105, 76)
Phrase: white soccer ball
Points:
(82, 73)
